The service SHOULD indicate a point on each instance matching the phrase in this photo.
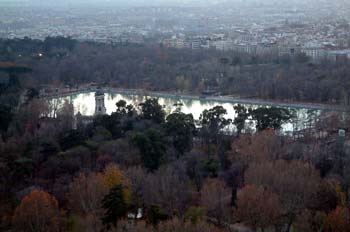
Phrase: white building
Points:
(338, 55)
(196, 43)
(224, 45)
(249, 48)
(315, 51)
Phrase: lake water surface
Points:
(85, 104)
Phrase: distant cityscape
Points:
(321, 32)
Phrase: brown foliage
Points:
(257, 206)
(257, 148)
(167, 189)
(86, 193)
(173, 225)
(28, 118)
(121, 151)
(137, 177)
(113, 176)
(296, 182)
(86, 223)
(328, 196)
(338, 220)
(309, 221)
(176, 225)
(132, 226)
(216, 198)
(38, 212)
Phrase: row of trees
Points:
(293, 194)
(67, 62)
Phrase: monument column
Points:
(100, 107)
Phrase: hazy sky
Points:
(112, 2)
(163, 2)
(143, 2)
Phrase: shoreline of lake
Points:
(222, 99)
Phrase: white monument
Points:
(100, 107)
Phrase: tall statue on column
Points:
(100, 107)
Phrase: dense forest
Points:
(63, 61)
(140, 169)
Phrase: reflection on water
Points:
(85, 104)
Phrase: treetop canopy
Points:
(13, 67)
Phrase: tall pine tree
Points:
(115, 205)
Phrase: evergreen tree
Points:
(152, 110)
(115, 206)
(242, 116)
(181, 128)
(213, 121)
(152, 146)
(272, 117)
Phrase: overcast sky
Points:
(161, 2)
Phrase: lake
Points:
(85, 104)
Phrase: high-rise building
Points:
(196, 43)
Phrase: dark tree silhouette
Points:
(213, 122)
(270, 117)
(151, 110)
(181, 128)
(115, 205)
(242, 116)
(13, 70)
(152, 146)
